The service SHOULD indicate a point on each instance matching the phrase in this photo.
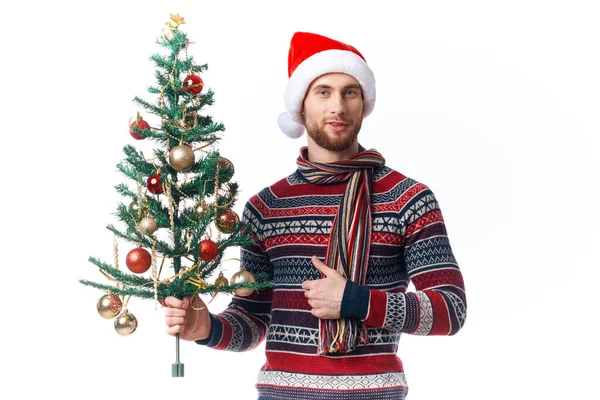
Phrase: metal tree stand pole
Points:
(177, 368)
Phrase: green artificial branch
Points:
(148, 106)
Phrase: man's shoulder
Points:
(388, 176)
(390, 184)
(386, 172)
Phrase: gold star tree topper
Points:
(173, 24)
(175, 21)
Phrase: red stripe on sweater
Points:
(387, 182)
(441, 323)
(313, 364)
(386, 238)
(384, 207)
(377, 308)
(290, 300)
(304, 239)
(295, 211)
(425, 220)
(226, 336)
(410, 194)
(438, 277)
(283, 189)
(314, 210)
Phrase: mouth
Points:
(337, 126)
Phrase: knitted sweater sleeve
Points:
(438, 305)
(242, 325)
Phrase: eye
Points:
(323, 92)
(351, 93)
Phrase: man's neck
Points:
(324, 156)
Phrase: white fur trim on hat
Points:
(318, 64)
(291, 128)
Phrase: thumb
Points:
(324, 269)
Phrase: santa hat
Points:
(311, 56)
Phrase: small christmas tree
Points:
(175, 199)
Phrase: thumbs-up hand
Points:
(325, 295)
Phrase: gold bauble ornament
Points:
(227, 221)
(134, 209)
(182, 157)
(240, 277)
(201, 208)
(147, 226)
(226, 164)
(109, 306)
(125, 324)
(221, 280)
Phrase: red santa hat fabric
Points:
(311, 56)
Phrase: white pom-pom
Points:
(290, 127)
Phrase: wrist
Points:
(215, 327)
(355, 302)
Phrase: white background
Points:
(494, 105)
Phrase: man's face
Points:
(333, 111)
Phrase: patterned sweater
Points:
(291, 220)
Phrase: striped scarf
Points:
(350, 237)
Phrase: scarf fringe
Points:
(341, 335)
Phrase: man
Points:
(341, 237)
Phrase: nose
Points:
(338, 104)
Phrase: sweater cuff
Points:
(355, 302)
(216, 330)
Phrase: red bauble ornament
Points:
(154, 184)
(193, 84)
(140, 123)
(208, 250)
(227, 221)
(138, 260)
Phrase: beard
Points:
(333, 141)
